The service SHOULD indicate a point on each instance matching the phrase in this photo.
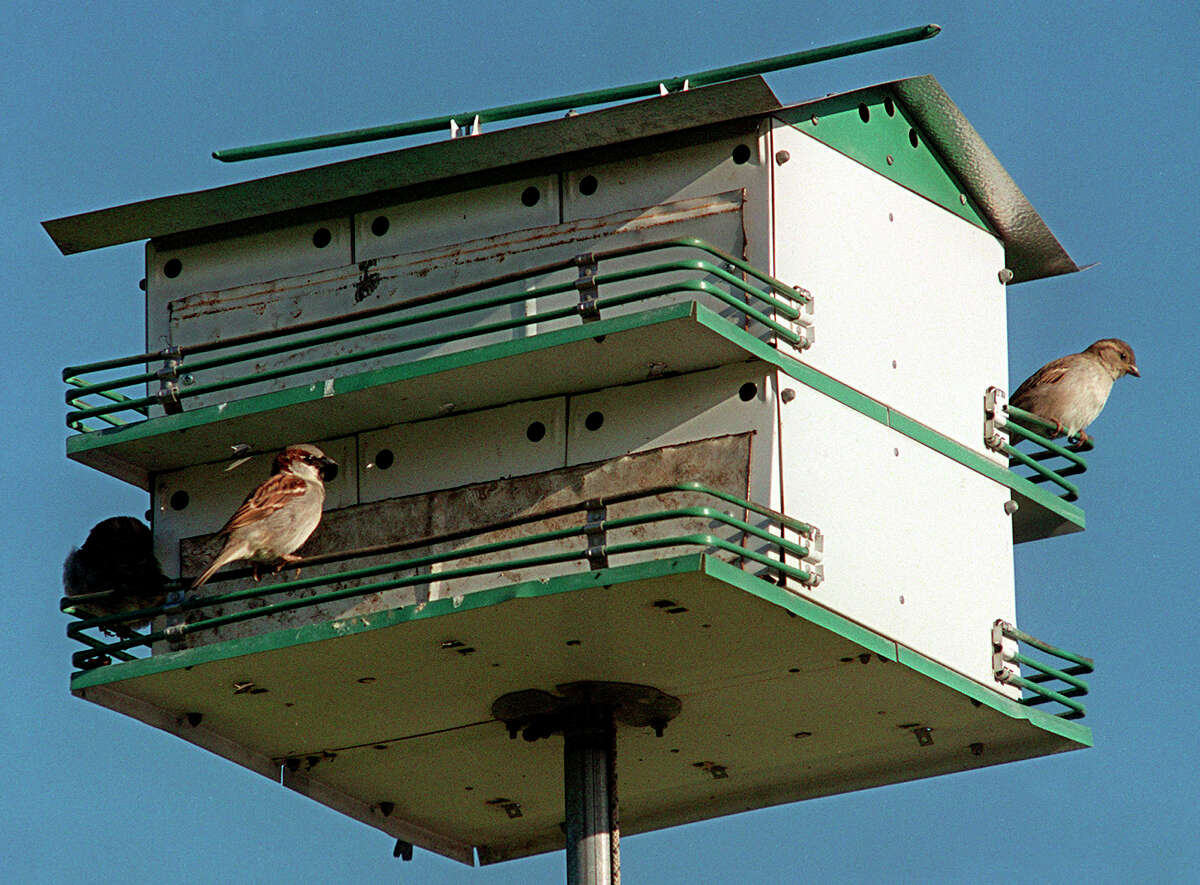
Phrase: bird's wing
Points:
(273, 494)
(1051, 373)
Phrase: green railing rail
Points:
(1072, 686)
(582, 99)
(180, 363)
(595, 552)
(1022, 426)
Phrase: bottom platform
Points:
(386, 717)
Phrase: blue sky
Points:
(1092, 108)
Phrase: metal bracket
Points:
(597, 535)
(1000, 656)
(168, 381)
(585, 285)
(457, 131)
(803, 324)
(995, 419)
(812, 563)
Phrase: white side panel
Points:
(917, 547)
(447, 452)
(909, 305)
(198, 500)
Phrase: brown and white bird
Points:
(277, 518)
(1072, 390)
(114, 572)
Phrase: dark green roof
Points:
(634, 128)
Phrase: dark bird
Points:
(114, 572)
(277, 518)
(1072, 390)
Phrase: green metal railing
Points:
(596, 551)
(582, 99)
(734, 287)
(1040, 691)
(1022, 426)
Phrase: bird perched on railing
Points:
(1072, 390)
(114, 572)
(279, 516)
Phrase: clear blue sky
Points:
(1092, 107)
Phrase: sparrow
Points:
(1072, 390)
(115, 571)
(277, 518)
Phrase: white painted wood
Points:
(909, 307)
(461, 449)
(456, 218)
(917, 546)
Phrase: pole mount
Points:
(535, 714)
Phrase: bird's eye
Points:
(1125, 357)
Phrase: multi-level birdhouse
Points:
(700, 394)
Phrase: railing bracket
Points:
(585, 285)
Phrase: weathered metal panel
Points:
(209, 316)
(514, 440)
(721, 463)
(724, 165)
(446, 220)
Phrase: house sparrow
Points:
(1072, 390)
(114, 572)
(277, 518)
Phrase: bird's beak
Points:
(1133, 370)
(328, 470)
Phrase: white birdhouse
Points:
(685, 395)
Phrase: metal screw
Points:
(962, 198)
(815, 119)
(890, 159)
(782, 157)
(1005, 275)
(787, 394)
(1011, 507)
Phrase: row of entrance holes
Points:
(381, 224)
(536, 431)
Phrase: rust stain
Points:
(368, 282)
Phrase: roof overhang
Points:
(635, 128)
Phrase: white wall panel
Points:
(917, 546)
(909, 305)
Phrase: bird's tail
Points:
(213, 566)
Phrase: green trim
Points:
(697, 563)
(233, 648)
(316, 391)
(580, 99)
(819, 381)
(837, 123)
(801, 607)
(1065, 728)
(898, 421)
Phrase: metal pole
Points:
(589, 794)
